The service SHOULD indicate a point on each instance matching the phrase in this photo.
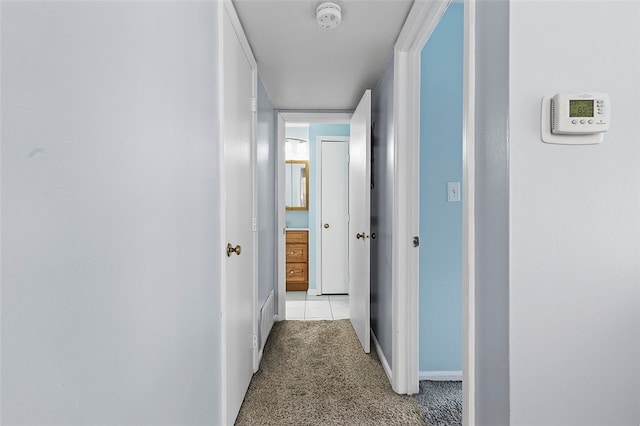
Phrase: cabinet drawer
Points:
(296, 272)
(297, 237)
(296, 252)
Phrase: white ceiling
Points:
(305, 67)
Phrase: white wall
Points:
(110, 213)
(266, 180)
(575, 219)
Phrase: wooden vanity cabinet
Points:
(297, 272)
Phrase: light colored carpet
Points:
(316, 373)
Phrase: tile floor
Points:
(301, 306)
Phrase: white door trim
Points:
(422, 20)
(283, 118)
(226, 8)
(468, 218)
(318, 225)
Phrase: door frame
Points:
(318, 225)
(422, 20)
(226, 7)
(283, 118)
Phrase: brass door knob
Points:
(361, 235)
(326, 225)
(231, 249)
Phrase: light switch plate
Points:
(453, 191)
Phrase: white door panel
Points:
(360, 218)
(335, 208)
(237, 122)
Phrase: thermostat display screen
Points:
(581, 108)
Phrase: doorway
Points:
(419, 27)
(318, 124)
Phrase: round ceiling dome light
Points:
(328, 15)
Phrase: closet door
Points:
(238, 288)
(334, 217)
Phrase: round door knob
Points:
(231, 249)
(326, 225)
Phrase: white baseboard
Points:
(441, 376)
(383, 360)
(313, 292)
(267, 318)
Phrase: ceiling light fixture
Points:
(328, 15)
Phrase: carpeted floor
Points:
(441, 402)
(315, 373)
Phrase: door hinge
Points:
(254, 341)
(254, 104)
(416, 241)
(254, 224)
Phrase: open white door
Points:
(359, 220)
(238, 288)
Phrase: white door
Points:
(237, 131)
(360, 218)
(334, 226)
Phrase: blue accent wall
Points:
(297, 218)
(440, 220)
(316, 130)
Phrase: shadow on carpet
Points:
(316, 373)
(441, 402)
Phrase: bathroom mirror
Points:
(297, 185)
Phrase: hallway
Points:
(138, 286)
(315, 373)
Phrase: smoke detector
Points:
(328, 15)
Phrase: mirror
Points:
(297, 185)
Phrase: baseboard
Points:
(267, 318)
(313, 292)
(383, 359)
(441, 376)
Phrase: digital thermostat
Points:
(579, 114)
(575, 118)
